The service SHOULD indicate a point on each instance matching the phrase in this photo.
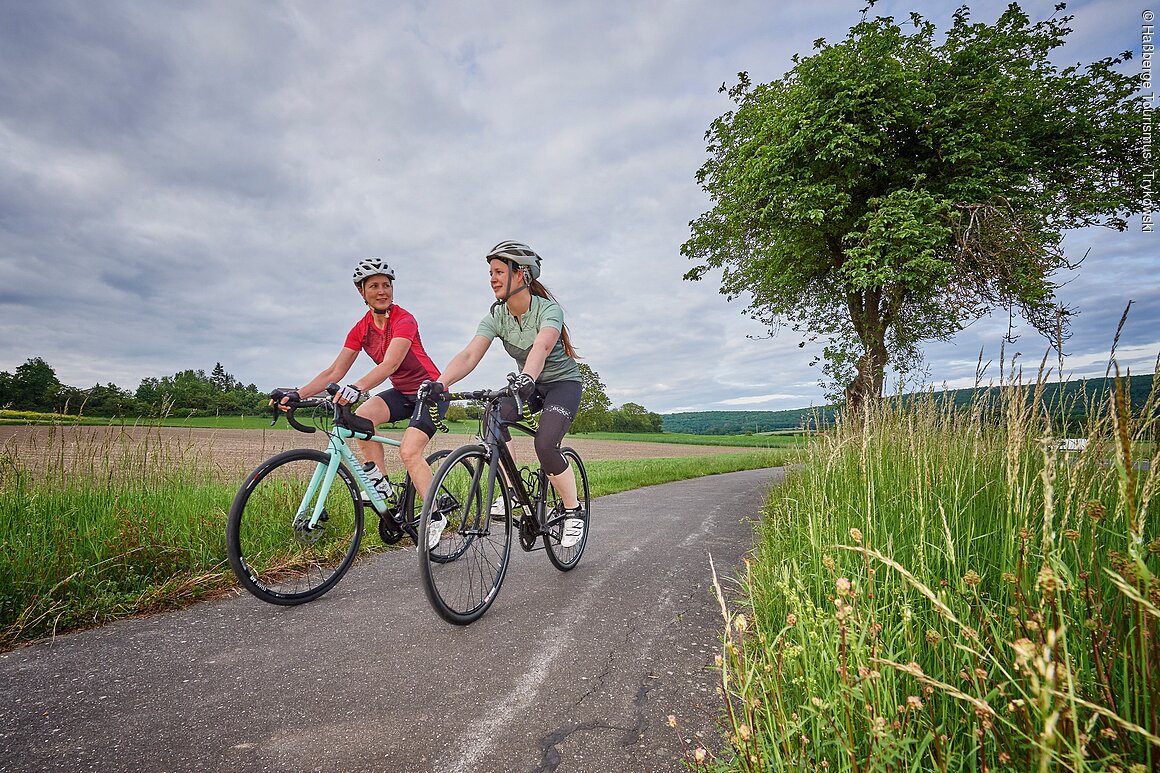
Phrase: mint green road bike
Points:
(296, 523)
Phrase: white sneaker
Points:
(497, 507)
(435, 527)
(573, 530)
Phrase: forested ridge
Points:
(1073, 401)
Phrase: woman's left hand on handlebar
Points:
(524, 385)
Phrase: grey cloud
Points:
(204, 174)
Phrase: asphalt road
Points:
(566, 672)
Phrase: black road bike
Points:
(485, 497)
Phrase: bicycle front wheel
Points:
(565, 558)
(462, 572)
(274, 551)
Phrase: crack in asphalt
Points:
(550, 757)
(635, 733)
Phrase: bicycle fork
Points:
(311, 508)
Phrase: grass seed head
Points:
(1096, 511)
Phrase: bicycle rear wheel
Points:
(272, 550)
(566, 558)
(463, 573)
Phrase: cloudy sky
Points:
(185, 183)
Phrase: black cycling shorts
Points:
(402, 406)
(558, 402)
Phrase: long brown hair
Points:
(537, 288)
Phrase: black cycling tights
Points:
(559, 402)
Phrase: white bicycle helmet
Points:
(518, 253)
(368, 267)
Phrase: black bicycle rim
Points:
(272, 552)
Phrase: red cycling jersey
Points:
(415, 368)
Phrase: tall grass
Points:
(116, 525)
(945, 590)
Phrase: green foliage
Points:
(35, 387)
(631, 417)
(794, 440)
(192, 391)
(1071, 404)
(456, 413)
(741, 422)
(594, 403)
(890, 190)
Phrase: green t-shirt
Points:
(519, 335)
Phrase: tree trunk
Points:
(870, 320)
(866, 387)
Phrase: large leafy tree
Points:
(592, 414)
(893, 188)
(33, 387)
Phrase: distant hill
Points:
(741, 422)
(1072, 399)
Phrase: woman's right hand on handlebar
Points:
(283, 397)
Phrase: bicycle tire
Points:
(271, 552)
(566, 559)
(413, 508)
(462, 575)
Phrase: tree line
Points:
(34, 386)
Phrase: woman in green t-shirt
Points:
(526, 317)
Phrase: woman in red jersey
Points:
(389, 334)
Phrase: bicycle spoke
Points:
(566, 558)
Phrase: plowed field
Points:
(239, 450)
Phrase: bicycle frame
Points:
(501, 461)
(511, 469)
(339, 451)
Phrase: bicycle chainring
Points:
(528, 533)
(389, 531)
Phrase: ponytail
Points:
(537, 288)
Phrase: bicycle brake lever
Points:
(275, 398)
